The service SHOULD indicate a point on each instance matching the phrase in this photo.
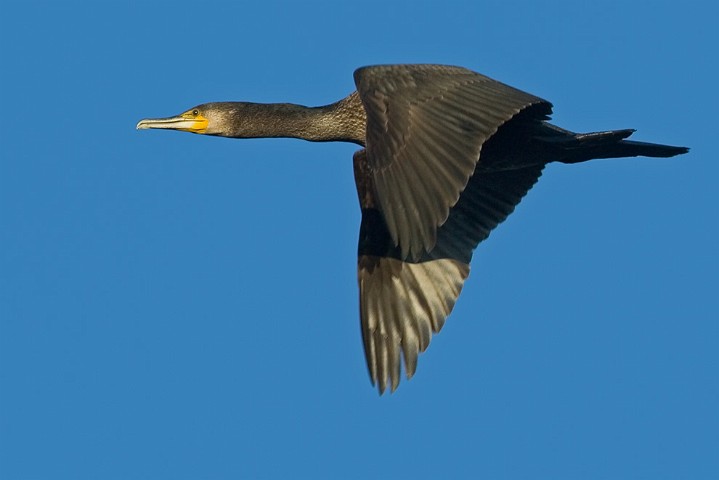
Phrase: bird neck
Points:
(341, 121)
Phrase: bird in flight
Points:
(446, 156)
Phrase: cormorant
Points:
(448, 154)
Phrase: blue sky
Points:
(180, 307)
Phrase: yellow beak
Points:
(185, 122)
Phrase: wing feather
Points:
(403, 302)
(426, 125)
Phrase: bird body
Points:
(448, 154)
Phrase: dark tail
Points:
(580, 147)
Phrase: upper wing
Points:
(402, 302)
(426, 125)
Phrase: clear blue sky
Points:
(174, 306)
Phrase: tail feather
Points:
(580, 147)
(645, 149)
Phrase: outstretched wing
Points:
(403, 301)
(426, 125)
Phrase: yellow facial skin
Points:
(190, 121)
(198, 123)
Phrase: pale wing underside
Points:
(401, 305)
(426, 125)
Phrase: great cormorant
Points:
(448, 154)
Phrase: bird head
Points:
(206, 119)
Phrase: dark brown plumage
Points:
(448, 154)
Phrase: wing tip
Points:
(433, 288)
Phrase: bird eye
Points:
(195, 112)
